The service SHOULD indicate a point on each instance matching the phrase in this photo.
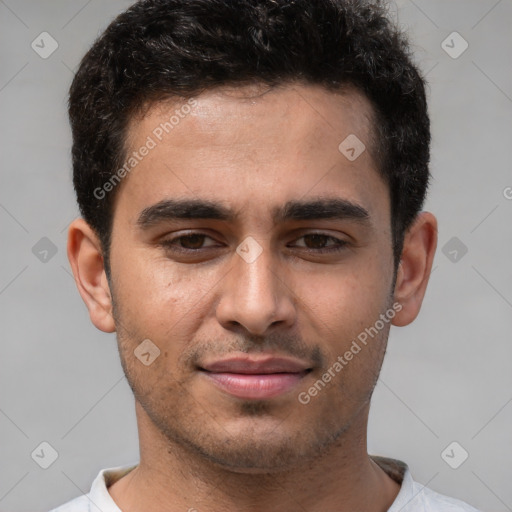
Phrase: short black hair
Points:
(164, 49)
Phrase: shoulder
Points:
(98, 498)
(432, 501)
(415, 497)
(80, 504)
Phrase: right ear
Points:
(86, 259)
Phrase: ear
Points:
(420, 244)
(86, 259)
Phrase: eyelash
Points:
(172, 246)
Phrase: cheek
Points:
(160, 300)
(346, 300)
(342, 313)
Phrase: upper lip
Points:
(249, 365)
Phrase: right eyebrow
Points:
(177, 209)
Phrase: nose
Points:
(255, 294)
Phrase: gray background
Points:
(447, 376)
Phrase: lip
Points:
(250, 378)
(251, 365)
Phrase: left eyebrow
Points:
(322, 208)
(316, 209)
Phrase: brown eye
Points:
(192, 242)
(317, 242)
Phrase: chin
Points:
(255, 459)
(258, 447)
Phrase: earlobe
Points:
(415, 267)
(86, 259)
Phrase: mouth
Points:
(255, 379)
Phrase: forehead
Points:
(253, 145)
(307, 108)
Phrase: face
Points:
(252, 252)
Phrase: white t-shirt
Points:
(413, 497)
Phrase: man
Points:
(251, 175)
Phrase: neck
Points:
(172, 478)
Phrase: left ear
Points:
(420, 244)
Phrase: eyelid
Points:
(339, 243)
(325, 235)
(186, 234)
(299, 234)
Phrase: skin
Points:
(253, 149)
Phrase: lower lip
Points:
(258, 386)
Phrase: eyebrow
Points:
(316, 209)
